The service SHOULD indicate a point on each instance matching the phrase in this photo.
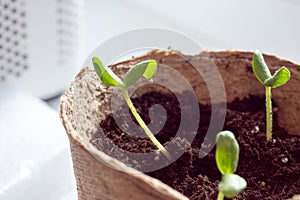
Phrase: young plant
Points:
(109, 78)
(227, 156)
(263, 74)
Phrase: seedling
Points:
(109, 78)
(263, 74)
(227, 156)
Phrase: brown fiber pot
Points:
(87, 102)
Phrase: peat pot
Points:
(88, 102)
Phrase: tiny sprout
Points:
(263, 74)
(227, 157)
(109, 78)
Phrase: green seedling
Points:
(263, 74)
(146, 69)
(227, 157)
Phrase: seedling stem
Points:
(220, 196)
(143, 125)
(269, 113)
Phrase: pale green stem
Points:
(268, 113)
(143, 125)
(220, 196)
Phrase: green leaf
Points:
(231, 185)
(260, 67)
(227, 152)
(279, 78)
(107, 76)
(145, 68)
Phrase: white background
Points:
(270, 25)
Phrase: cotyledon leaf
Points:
(146, 68)
(107, 76)
(260, 67)
(227, 152)
(231, 185)
(279, 78)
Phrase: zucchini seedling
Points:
(227, 156)
(109, 78)
(263, 74)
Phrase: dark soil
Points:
(272, 170)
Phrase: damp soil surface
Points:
(272, 170)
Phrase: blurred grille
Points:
(67, 27)
(13, 34)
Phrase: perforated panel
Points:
(13, 34)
